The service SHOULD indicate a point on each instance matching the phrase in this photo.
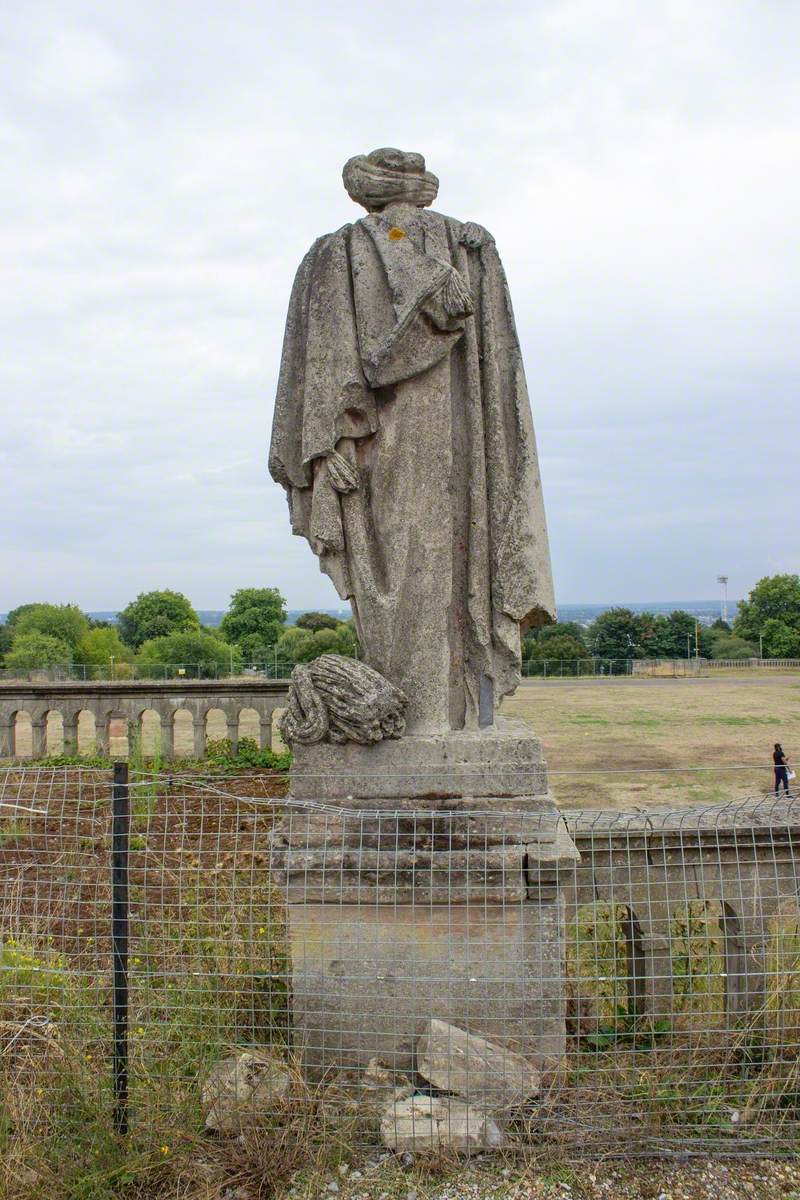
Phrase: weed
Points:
(12, 831)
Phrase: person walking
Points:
(781, 768)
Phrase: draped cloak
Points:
(442, 547)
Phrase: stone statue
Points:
(421, 844)
(339, 699)
(403, 437)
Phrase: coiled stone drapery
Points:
(341, 700)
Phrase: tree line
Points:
(767, 623)
(161, 629)
(160, 633)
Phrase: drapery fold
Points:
(401, 352)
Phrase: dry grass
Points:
(622, 744)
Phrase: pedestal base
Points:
(367, 981)
(421, 877)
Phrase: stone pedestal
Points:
(422, 879)
(498, 764)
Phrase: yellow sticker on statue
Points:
(395, 234)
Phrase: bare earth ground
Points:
(628, 742)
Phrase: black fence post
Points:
(120, 830)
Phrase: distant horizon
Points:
(581, 604)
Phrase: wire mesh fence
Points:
(593, 981)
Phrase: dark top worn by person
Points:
(781, 768)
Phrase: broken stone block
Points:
(378, 1076)
(481, 1071)
(419, 1123)
(379, 1083)
(239, 1088)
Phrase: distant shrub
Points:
(248, 754)
(30, 651)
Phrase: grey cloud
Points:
(167, 167)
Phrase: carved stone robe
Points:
(442, 547)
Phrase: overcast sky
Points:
(167, 164)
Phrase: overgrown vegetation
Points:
(219, 754)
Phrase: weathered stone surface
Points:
(404, 439)
(478, 1070)
(424, 829)
(504, 764)
(237, 1089)
(356, 876)
(438, 1122)
(367, 978)
(338, 699)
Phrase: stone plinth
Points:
(424, 884)
(367, 980)
(500, 764)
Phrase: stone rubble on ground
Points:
(238, 1089)
(438, 1122)
(480, 1071)
(382, 1084)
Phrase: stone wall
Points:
(128, 701)
(650, 867)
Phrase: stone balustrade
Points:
(739, 862)
(128, 701)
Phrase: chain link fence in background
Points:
(389, 974)
(281, 668)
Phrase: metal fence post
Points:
(120, 830)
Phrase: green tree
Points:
(30, 651)
(560, 629)
(728, 645)
(64, 622)
(774, 598)
(255, 621)
(675, 635)
(6, 637)
(294, 644)
(564, 652)
(202, 655)
(341, 640)
(316, 621)
(302, 645)
(99, 646)
(780, 640)
(156, 615)
(615, 634)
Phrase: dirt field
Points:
(612, 743)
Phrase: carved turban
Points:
(386, 176)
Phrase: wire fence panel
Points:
(404, 979)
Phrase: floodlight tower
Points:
(723, 579)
